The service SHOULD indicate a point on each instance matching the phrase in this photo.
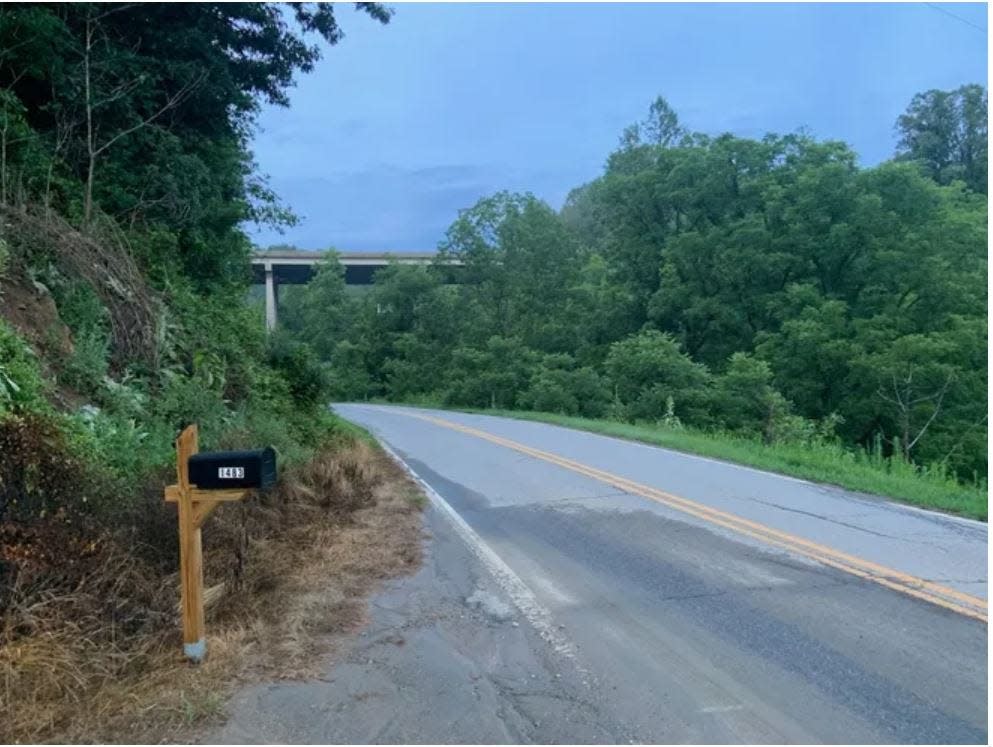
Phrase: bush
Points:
(746, 401)
(130, 448)
(127, 397)
(43, 474)
(21, 385)
(304, 373)
(87, 366)
(568, 392)
(4, 259)
(255, 427)
(190, 399)
(490, 377)
(550, 392)
(349, 376)
(649, 368)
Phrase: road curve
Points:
(707, 602)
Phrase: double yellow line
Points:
(943, 596)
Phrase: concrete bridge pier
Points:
(270, 298)
(276, 267)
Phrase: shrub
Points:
(79, 306)
(21, 384)
(490, 377)
(131, 449)
(42, 474)
(255, 427)
(568, 392)
(349, 376)
(649, 368)
(127, 397)
(549, 392)
(746, 401)
(190, 399)
(304, 373)
(87, 366)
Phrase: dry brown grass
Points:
(286, 571)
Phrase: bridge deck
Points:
(289, 266)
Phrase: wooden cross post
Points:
(194, 508)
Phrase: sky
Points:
(401, 126)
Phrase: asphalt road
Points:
(585, 589)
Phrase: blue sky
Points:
(401, 126)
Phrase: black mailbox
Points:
(213, 470)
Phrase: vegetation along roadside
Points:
(126, 181)
(825, 462)
(765, 300)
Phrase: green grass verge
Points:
(825, 463)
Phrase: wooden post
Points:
(194, 507)
(190, 551)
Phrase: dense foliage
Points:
(768, 287)
(125, 181)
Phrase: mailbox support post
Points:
(190, 552)
(194, 507)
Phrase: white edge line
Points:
(510, 582)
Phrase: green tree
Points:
(745, 399)
(649, 369)
(149, 108)
(947, 133)
(321, 311)
(770, 287)
(491, 376)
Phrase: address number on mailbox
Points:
(224, 470)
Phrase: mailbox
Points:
(219, 470)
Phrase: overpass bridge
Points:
(275, 267)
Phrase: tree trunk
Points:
(88, 199)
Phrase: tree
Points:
(745, 399)
(319, 312)
(660, 128)
(770, 287)
(520, 263)
(947, 133)
(160, 99)
(104, 85)
(490, 376)
(648, 369)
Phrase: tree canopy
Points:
(770, 287)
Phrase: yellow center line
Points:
(957, 601)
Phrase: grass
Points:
(294, 569)
(831, 464)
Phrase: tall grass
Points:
(833, 464)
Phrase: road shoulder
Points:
(445, 657)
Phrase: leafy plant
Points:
(22, 387)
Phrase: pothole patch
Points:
(490, 605)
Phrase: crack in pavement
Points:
(812, 514)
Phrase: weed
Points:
(89, 639)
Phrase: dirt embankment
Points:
(29, 308)
(90, 649)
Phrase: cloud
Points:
(380, 208)
(403, 125)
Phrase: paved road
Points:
(585, 589)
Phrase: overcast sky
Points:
(401, 126)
